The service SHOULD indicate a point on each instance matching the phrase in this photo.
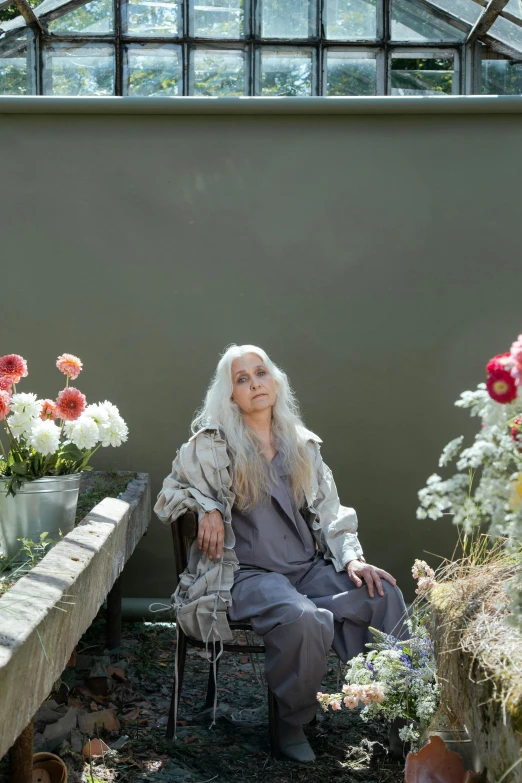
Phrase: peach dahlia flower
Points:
(70, 365)
(48, 410)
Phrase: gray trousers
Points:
(302, 615)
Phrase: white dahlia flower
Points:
(44, 437)
(84, 432)
(20, 424)
(115, 432)
(27, 404)
(112, 410)
(98, 413)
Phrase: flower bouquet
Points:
(51, 437)
(487, 487)
(395, 679)
(49, 442)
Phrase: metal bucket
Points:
(46, 505)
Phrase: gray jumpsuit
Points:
(299, 603)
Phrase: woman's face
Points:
(253, 388)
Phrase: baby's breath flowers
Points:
(51, 437)
(395, 679)
(485, 487)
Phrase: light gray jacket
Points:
(200, 482)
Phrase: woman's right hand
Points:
(211, 534)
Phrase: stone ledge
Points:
(73, 579)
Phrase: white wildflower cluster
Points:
(487, 487)
(99, 423)
(396, 678)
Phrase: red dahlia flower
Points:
(516, 433)
(502, 387)
(5, 383)
(13, 366)
(497, 363)
(70, 404)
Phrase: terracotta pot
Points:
(48, 768)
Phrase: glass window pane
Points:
(501, 77)
(78, 69)
(287, 18)
(219, 73)
(219, 18)
(13, 66)
(414, 22)
(152, 70)
(350, 75)
(151, 17)
(354, 20)
(467, 10)
(514, 7)
(507, 32)
(94, 17)
(286, 73)
(421, 77)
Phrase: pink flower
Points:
(501, 387)
(516, 355)
(424, 584)
(48, 410)
(498, 362)
(335, 704)
(70, 404)
(351, 701)
(5, 383)
(70, 365)
(13, 366)
(5, 403)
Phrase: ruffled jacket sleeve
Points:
(336, 524)
(179, 493)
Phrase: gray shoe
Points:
(293, 743)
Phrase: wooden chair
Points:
(184, 530)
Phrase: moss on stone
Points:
(97, 485)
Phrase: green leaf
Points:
(20, 468)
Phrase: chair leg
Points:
(272, 726)
(212, 683)
(178, 674)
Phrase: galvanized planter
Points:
(46, 505)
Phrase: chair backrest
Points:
(184, 530)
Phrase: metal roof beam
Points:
(486, 20)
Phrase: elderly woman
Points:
(275, 547)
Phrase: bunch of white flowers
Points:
(396, 678)
(99, 423)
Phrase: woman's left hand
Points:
(359, 572)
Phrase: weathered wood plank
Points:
(44, 615)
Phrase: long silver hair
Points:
(250, 480)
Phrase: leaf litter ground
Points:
(236, 749)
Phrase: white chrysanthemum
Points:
(98, 413)
(20, 424)
(26, 403)
(44, 437)
(115, 432)
(84, 433)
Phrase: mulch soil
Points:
(137, 694)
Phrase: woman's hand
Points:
(359, 571)
(211, 534)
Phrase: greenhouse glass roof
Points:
(260, 47)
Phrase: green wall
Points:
(374, 257)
